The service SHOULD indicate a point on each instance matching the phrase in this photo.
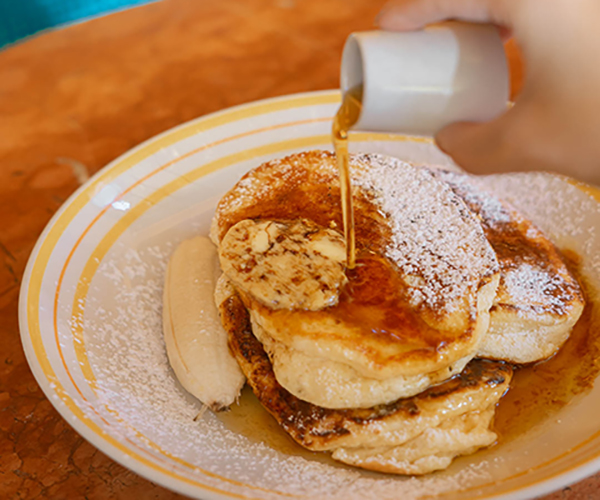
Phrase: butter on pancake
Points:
(408, 436)
(538, 300)
(426, 277)
(295, 265)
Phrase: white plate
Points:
(90, 319)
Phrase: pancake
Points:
(336, 385)
(417, 301)
(433, 449)
(538, 299)
(408, 436)
(330, 384)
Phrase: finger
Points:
(489, 149)
(406, 15)
(494, 147)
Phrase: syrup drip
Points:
(345, 118)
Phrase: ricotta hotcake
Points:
(433, 449)
(419, 297)
(408, 436)
(331, 384)
(538, 299)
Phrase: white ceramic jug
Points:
(418, 82)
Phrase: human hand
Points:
(555, 122)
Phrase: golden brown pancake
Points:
(418, 300)
(409, 436)
(538, 299)
(331, 384)
(337, 355)
(433, 449)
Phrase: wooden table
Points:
(74, 99)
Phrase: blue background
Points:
(20, 18)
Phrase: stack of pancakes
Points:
(396, 365)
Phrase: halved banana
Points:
(195, 339)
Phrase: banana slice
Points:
(195, 339)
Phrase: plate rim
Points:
(82, 428)
(569, 476)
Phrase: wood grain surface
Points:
(73, 99)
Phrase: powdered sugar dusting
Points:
(530, 285)
(134, 380)
(436, 242)
(470, 188)
(567, 215)
(123, 335)
(434, 235)
(534, 279)
(561, 210)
